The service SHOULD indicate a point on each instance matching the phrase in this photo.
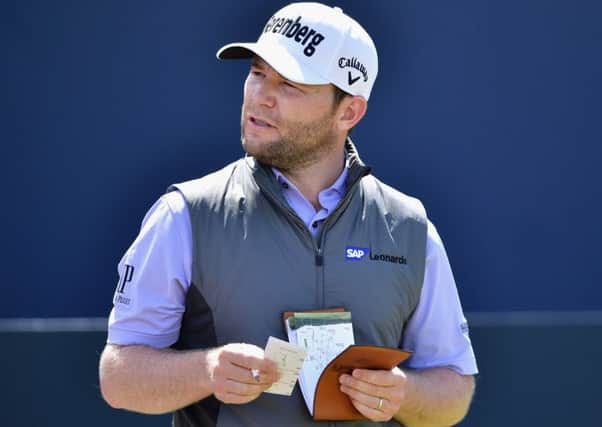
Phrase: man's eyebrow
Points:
(261, 64)
(256, 62)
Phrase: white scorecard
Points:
(289, 358)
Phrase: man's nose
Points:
(266, 92)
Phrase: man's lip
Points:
(254, 120)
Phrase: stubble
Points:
(300, 144)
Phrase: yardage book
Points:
(327, 337)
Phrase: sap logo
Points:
(354, 253)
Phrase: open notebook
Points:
(327, 337)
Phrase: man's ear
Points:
(350, 112)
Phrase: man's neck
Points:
(312, 179)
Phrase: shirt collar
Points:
(338, 185)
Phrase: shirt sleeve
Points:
(154, 277)
(437, 332)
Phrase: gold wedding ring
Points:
(380, 404)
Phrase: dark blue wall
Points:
(488, 111)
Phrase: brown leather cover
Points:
(330, 402)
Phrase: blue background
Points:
(489, 111)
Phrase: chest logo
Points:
(389, 258)
(354, 253)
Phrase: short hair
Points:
(339, 95)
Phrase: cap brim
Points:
(278, 57)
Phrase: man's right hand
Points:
(229, 368)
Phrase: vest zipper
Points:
(322, 238)
(318, 254)
(319, 257)
(319, 245)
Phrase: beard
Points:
(299, 145)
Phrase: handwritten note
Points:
(289, 358)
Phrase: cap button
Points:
(338, 9)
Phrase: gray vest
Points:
(253, 259)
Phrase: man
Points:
(298, 224)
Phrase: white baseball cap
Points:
(311, 43)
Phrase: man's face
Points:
(284, 124)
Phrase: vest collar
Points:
(357, 168)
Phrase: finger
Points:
(370, 413)
(245, 375)
(363, 386)
(390, 378)
(263, 377)
(249, 358)
(244, 389)
(235, 398)
(267, 369)
(229, 391)
(369, 400)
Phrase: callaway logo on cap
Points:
(311, 43)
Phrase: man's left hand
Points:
(377, 395)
